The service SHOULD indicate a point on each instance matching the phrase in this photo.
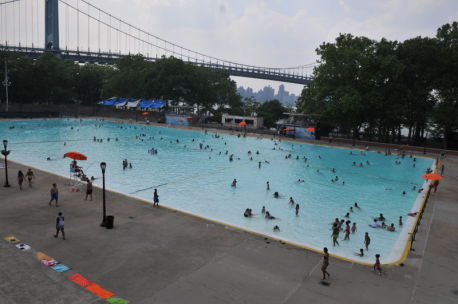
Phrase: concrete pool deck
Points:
(155, 255)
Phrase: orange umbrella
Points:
(189, 117)
(310, 129)
(75, 155)
(145, 113)
(242, 123)
(432, 176)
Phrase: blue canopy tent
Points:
(108, 102)
(152, 103)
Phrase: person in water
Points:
(248, 213)
(400, 221)
(381, 217)
(367, 240)
(297, 209)
(291, 201)
(374, 224)
(391, 228)
(263, 210)
(276, 195)
(347, 231)
(351, 209)
(335, 235)
(234, 183)
(268, 216)
(356, 206)
(360, 253)
(267, 185)
(353, 228)
(276, 228)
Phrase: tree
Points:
(271, 111)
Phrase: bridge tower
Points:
(52, 24)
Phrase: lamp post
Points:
(5, 153)
(6, 83)
(103, 166)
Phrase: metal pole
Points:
(103, 166)
(6, 83)
(5, 153)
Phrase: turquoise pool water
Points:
(199, 180)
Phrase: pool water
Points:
(199, 180)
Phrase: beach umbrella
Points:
(75, 155)
(310, 129)
(242, 123)
(290, 129)
(189, 117)
(432, 176)
(145, 113)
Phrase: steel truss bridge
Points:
(91, 35)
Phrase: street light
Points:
(5, 153)
(6, 83)
(103, 166)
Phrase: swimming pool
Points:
(199, 180)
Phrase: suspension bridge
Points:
(79, 31)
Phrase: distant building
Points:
(235, 120)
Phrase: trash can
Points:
(109, 222)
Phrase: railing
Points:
(109, 57)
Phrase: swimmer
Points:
(333, 170)
(381, 217)
(403, 193)
(267, 186)
(351, 209)
(259, 165)
(234, 183)
(276, 195)
(276, 228)
(335, 235)
(367, 162)
(263, 210)
(297, 209)
(353, 228)
(414, 188)
(356, 205)
(360, 253)
(383, 225)
(347, 215)
(247, 213)
(367, 240)
(347, 231)
(291, 201)
(391, 228)
(400, 221)
(374, 224)
(354, 163)
(268, 216)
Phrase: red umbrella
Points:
(290, 129)
(310, 129)
(145, 113)
(432, 176)
(75, 155)
(242, 123)
(189, 117)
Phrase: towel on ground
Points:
(22, 246)
(12, 239)
(80, 280)
(97, 290)
(60, 268)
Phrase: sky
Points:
(278, 33)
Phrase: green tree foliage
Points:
(50, 80)
(380, 87)
(271, 111)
